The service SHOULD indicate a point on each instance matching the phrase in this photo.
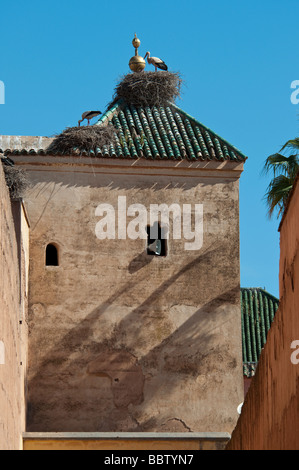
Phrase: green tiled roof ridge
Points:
(200, 124)
(109, 113)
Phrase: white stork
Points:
(89, 115)
(156, 62)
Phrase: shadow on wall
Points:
(84, 385)
(66, 186)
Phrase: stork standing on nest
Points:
(156, 62)
(89, 115)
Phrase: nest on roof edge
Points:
(137, 89)
(148, 89)
(16, 180)
(83, 138)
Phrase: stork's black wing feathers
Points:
(90, 113)
(162, 65)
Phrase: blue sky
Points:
(237, 60)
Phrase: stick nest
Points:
(148, 89)
(138, 89)
(17, 181)
(83, 138)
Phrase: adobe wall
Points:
(13, 311)
(270, 414)
(119, 340)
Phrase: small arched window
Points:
(51, 255)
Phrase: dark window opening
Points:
(156, 240)
(51, 255)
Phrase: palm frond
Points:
(284, 169)
(292, 144)
(272, 161)
(280, 164)
(277, 194)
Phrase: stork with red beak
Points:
(88, 115)
(156, 62)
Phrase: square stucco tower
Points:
(121, 339)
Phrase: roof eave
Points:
(244, 157)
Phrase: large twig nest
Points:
(83, 138)
(148, 88)
(138, 89)
(17, 181)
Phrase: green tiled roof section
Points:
(154, 133)
(232, 152)
(163, 133)
(258, 308)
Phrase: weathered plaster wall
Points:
(121, 341)
(13, 311)
(270, 414)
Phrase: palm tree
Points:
(284, 169)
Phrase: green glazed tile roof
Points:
(163, 133)
(258, 308)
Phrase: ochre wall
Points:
(270, 414)
(13, 327)
(120, 341)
